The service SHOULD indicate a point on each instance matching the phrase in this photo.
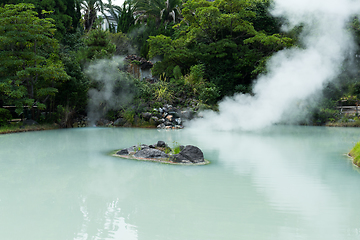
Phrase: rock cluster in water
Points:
(166, 117)
(160, 151)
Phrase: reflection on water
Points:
(279, 183)
(109, 224)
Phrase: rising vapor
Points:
(293, 74)
(113, 87)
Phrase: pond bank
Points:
(343, 124)
(27, 128)
(355, 154)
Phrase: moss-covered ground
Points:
(355, 154)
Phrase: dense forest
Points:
(52, 53)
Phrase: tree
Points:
(161, 10)
(90, 8)
(97, 45)
(222, 36)
(66, 13)
(126, 20)
(124, 16)
(30, 69)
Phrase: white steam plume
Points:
(113, 90)
(293, 74)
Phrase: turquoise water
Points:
(280, 183)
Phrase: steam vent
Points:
(161, 152)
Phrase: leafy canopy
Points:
(29, 66)
(221, 35)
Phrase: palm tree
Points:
(161, 10)
(90, 9)
(124, 16)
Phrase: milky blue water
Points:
(282, 183)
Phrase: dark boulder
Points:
(161, 144)
(190, 153)
(146, 115)
(178, 158)
(150, 153)
(123, 152)
(120, 122)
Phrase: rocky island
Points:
(161, 152)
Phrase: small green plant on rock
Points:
(167, 150)
(176, 147)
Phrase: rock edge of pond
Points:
(162, 153)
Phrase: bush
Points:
(209, 94)
(5, 117)
(323, 115)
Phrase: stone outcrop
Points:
(163, 153)
(189, 154)
(150, 153)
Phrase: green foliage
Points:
(324, 115)
(162, 91)
(160, 10)
(65, 13)
(129, 115)
(221, 36)
(97, 46)
(126, 20)
(177, 72)
(5, 117)
(355, 153)
(122, 43)
(242, 88)
(176, 148)
(90, 9)
(209, 94)
(140, 34)
(30, 67)
(263, 20)
(196, 74)
(74, 92)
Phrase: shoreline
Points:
(159, 160)
(33, 128)
(353, 160)
(29, 128)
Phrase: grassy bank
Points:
(355, 154)
(27, 128)
(343, 124)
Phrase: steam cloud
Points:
(113, 88)
(295, 74)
